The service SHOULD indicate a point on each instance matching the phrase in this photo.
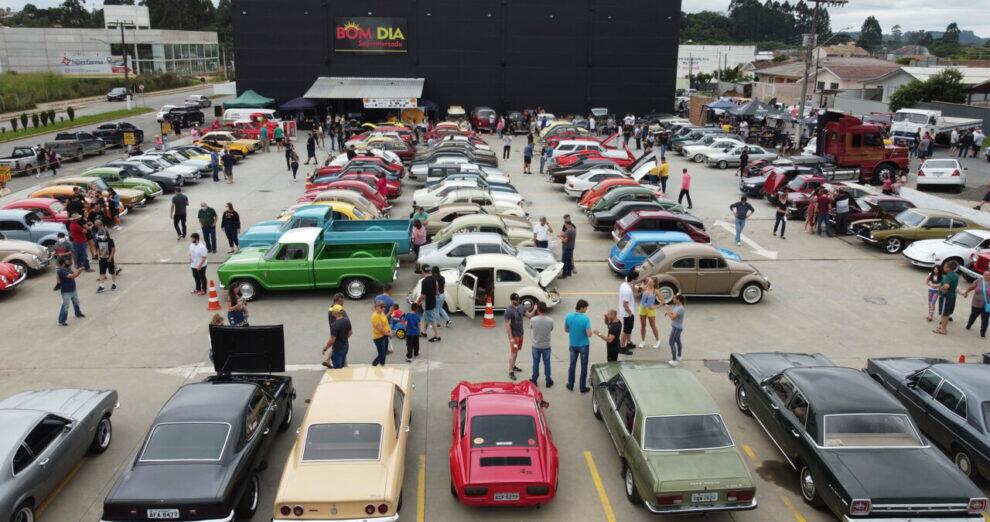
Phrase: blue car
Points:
(635, 247)
(25, 225)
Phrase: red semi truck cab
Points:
(852, 144)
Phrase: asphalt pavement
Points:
(835, 296)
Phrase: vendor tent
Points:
(250, 100)
(297, 104)
(754, 108)
(721, 104)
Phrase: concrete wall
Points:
(958, 111)
(858, 107)
(710, 58)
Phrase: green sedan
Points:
(677, 456)
(112, 176)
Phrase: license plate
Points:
(163, 514)
(704, 497)
(506, 497)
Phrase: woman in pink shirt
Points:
(685, 188)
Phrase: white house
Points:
(889, 82)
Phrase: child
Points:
(411, 325)
(395, 321)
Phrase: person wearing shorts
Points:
(627, 313)
(947, 295)
(105, 251)
(514, 314)
(428, 300)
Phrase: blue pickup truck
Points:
(337, 232)
(635, 247)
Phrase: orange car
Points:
(595, 193)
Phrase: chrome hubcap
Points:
(104, 433)
(962, 462)
(247, 291)
(751, 294)
(594, 405)
(355, 289)
(24, 515)
(893, 245)
(807, 485)
(667, 294)
(741, 398)
(629, 482)
(254, 494)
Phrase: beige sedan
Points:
(702, 270)
(444, 214)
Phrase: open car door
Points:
(466, 294)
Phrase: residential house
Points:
(833, 74)
(890, 81)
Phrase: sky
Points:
(909, 14)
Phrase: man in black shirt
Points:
(335, 351)
(780, 202)
(178, 213)
(75, 204)
(428, 300)
(611, 338)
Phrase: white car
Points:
(450, 252)
(165, 108)
(730, 158)
(160, 164)
(388, 156)
(959, 247)
(497, 275)
(463, 194)
(576, 186)
(709, 145)
(176, 157)
(432, 196)
(438, 173)
(569, 146)
(457, 138)
(941, 172)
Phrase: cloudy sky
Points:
(909, 14)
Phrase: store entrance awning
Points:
(339, 88)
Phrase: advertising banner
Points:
(372, 35)
(92, 64)
(389, 103)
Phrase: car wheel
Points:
(723, 164)
(595, 408)
(21, 264)
(698, 158)
(883, 172)
(249, 289)
(355, 287)
(79, 155)
(453, 490)
(667, 292)
(529, 303)
(893, 245)
(24, 513)
(630, 483)
(808, 490)
(963, 461)
(751, 293)
(103, 436)
(741, 401)
(288, 418)
(249, 502)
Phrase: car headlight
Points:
(4, 280)
(35, 258)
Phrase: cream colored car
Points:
(348, 196)
(349, 456)
(445, 214)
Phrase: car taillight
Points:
(382, 509)
(921, 173)
(475, 492)
(669, 500)
(860, 507)
(297, 511)
(369, 509)
(537, 491)
(619, 264)
(285, 510)
(955, 172)
(744, 495)
(977, 506)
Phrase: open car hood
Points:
(248, 349)
(550, 273)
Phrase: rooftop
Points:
(662, 390)
(846, 68)
(836, 390)
(971, 75)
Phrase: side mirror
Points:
(544, 404)
(603, 385)
(451, 404)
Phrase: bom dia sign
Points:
(370, 35)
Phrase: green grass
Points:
(65, 124)
(24, 91)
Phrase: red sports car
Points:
(12, 275)
(592, 195)
(50, 209)
(358, 186)
(502, 452)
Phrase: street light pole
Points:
(809, 43)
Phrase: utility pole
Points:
(123, 48)
(809, 42)
(690, 69)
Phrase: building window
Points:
(821, 86)
(144, 52)
(834, 86)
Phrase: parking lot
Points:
(836, 296)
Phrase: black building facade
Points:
(564, 55)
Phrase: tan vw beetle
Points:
(702, 270)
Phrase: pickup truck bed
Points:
(396, 231)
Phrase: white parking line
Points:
(757, 249)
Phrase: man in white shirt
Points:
(541, 233)
(197, 261)
(626, 299)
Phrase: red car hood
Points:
(506, 466)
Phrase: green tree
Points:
(871, 35)
(951, 34)
(703, 27)
(945, 86)
(188, 15)
(896, 36)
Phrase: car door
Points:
(15, 229)
(259, 416)
(774, 395)
(714, 276)
(641, 251)
(935, 228)
(466, 294)
(919, 392)
(48, 443)
(793, 421)
(684, 271)
(616, 392)
(289, 267)
(948, 414)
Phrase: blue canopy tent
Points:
(721, 104)
(297, 104)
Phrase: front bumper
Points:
(228, 518)
(869, 239)
(961, 518)
(574, 192)
(616, 269)
(926, 263)
(676, 510)
(16, 282)
(970, 272)
(392, 518)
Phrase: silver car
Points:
(450, 252)
(45, 434)
(730, 157)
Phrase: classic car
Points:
(483, 197)
(605, 220)
(443, 215)
(677, 454)
(379, 231)
(589, 156)
(46, 435)
(11, 275)
(385, 156)
(442, 171)
(475, 141)
(660, 220)
(960, 247)
(431, 196)
(855, 449)
(185, 115)
(420, 171)
(559, 173)
(117, 178)
(130, 198)
(515, 123)
(481, 119)
(113, 133)
(502, 451)
(138, 170)
(603, 187)
(948, 402)
(217, 140)
(507, 228)
(893, 233)
(177, 157)
(302, 260)
(450, 252)
(362, 140)
(941, 172)
(26, 254)
(977, 264)
(26, 225)
(770, 180)
(349, 457)
(498, 275)
(620, 194)
(577, 186)
(636, 247)
(620, 153)
(349, 196)
(703, 270)
(798, 201)
(209, 442)
(369, 177)
(485, 200)
(693, 136)
(196, 152)
(76, 145)
(342, 211)
(355, 185)
(48, 209)
(870, 206)
(489, 181)
(168, 168)
(730, 157)
(447, 153)
(709, 145)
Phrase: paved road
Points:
(835, 296)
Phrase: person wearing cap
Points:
(335, 351)
(337, 301)
(568, 237)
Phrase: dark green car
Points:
(677, 455)
(117, 178)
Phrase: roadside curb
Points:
(70, 127)
(78, 103)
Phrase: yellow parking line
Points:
(749, 452)
(61, 486)
(986, 517)
(609, 515)
(798, 517)
(421, 490)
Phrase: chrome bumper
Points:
(868, 239)
(18, 281)
(961, 518)
(675, 510)
(615, 268)
(228, 518)
(392, 518)
(918, 262)
(970, 272)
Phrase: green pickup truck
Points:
(301, 260)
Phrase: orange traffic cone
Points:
(962, 358)
(489, 320)
(214, 303)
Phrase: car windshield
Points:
(273, 250)
(169, 159)
(796, 183)
(99, 184)
(685, 432)
(532, 272)
(911, 117)
(621, 245)
(56, 207)
(940, 164)
(343, 441)
(881, 430)
(509, 249)
(910, 218)
(186, 441)
(180, 154)
(628, 219)
(502, 430)
(966, 239)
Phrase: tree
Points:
(703, 27)
(945, 86)
(951, 35)
(871, 35)
(896, 36)
(732, 74)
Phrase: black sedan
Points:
(855, 448)
(948, 400)
(604, 220)
(202, 456)
(137, 169)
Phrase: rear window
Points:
(65, 136)
(621, 245)
(186, 441)
(628, 220)
(685, 432)
(502, 430)
(874, 431)
(343, 441)
(940, 164)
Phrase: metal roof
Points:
(339, 88)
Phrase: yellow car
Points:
(216, 140)
(341, 210)
(349, 456)
(62, 189)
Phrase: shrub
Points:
(43, 116)
(34, 120)
(51, 115)
(71, 112)
(13, 124)
(24, 120)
